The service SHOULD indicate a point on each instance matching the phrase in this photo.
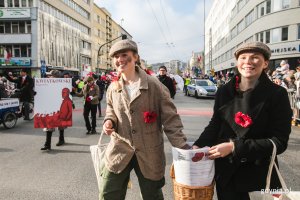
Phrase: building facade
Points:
(231, 23)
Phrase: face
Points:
(23, 73)
(251, 65)
(162, 71)
(65, 93)
(125, 61)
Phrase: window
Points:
(22, 27)
(10, 3)
(29, 51)
(30, 2)
(2, 29)
(284, 33)
(23, 50)
(299, 30)
(28, 24)
(261, 36)
(16, 51)
(268, 7)
(7, 27)
(17, 3)
(285, 4)
(276, 35)
(24, 4)
(15, 27)
(240, 26)
(249, 18)
(1, 3)
(267, 37)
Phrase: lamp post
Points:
(124, 37)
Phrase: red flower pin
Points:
(149, 117)
(242, 119)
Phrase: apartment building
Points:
(233, 22)
(45, 34)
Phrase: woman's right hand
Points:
(108, 127)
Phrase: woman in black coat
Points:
(249, 110)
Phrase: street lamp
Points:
(124, 37)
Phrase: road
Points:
(67, 172)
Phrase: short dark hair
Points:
(162, 67)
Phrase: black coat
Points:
(26, 87)
(269, 108)
(168, 82)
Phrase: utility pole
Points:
(124, 37)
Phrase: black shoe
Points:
(93, 131)
(60, 142)
(88, 132)
(46, 148)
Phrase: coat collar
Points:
(250, 103)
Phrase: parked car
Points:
(201, 88)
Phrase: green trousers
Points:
(114, 186)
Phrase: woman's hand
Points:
(220, 150)
(108, 127)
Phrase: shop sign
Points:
(15, 62)
(14, 13)
(290, 49)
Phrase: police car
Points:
(201, 88)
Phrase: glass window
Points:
(267, 37)
(268, 8)
(23, 50)
(285, 4)
(249, 18)
(284, 33)
(261, 36)
(28, 27)
(15, 27)
(2, 29)
(276, 35)
(22, 27)
(7, 27)
(10, 3)
(240, 26)
(276, 5)
(24, 4)
(30, 2)
(16, 51)
(29, 51)
(299, 30)
(17, 3)
(1, 3)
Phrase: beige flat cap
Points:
(254, 47)
(123, 45)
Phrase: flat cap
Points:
(123, 45)
(254, 47)
(54, 73)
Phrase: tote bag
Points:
(97, 153)
(266, 194)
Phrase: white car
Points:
(201, 88)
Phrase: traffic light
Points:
(124, 37)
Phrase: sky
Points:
(163, 29)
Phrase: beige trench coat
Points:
(134, 136)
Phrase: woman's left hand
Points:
(220, 150)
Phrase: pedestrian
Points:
(166, 80)
(65, 113)
(249, 110)
(25, 86)
(139, 110)
(90, 92)
(186, 83)
(101, 85)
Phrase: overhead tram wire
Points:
(160, 28)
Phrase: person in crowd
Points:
(248, 111)
(139, 110)
(166, 80)
(101, 85)
(25, 84)
(80, 85)
(66, 105)
(90, 92)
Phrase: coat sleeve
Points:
(110, 113)
(171, 121)
(210, 133)
(279, 129)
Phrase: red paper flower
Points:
(149, 117)
(242, 119)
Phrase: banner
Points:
(9, 103)
(53, 102)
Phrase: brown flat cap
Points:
(254, 47)
(123, 45)
(55, 73)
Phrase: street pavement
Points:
(67, 173)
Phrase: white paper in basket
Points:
(192, 167)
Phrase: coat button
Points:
(243, 160)
(133, 131)
(131, 111)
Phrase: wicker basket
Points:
(184, 192)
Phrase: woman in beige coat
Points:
(139, 110)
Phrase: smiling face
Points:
(125, 61)
(251, 64)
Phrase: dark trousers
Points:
(88, 107)
(99, 108)
(229, 193)
(26, 109)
